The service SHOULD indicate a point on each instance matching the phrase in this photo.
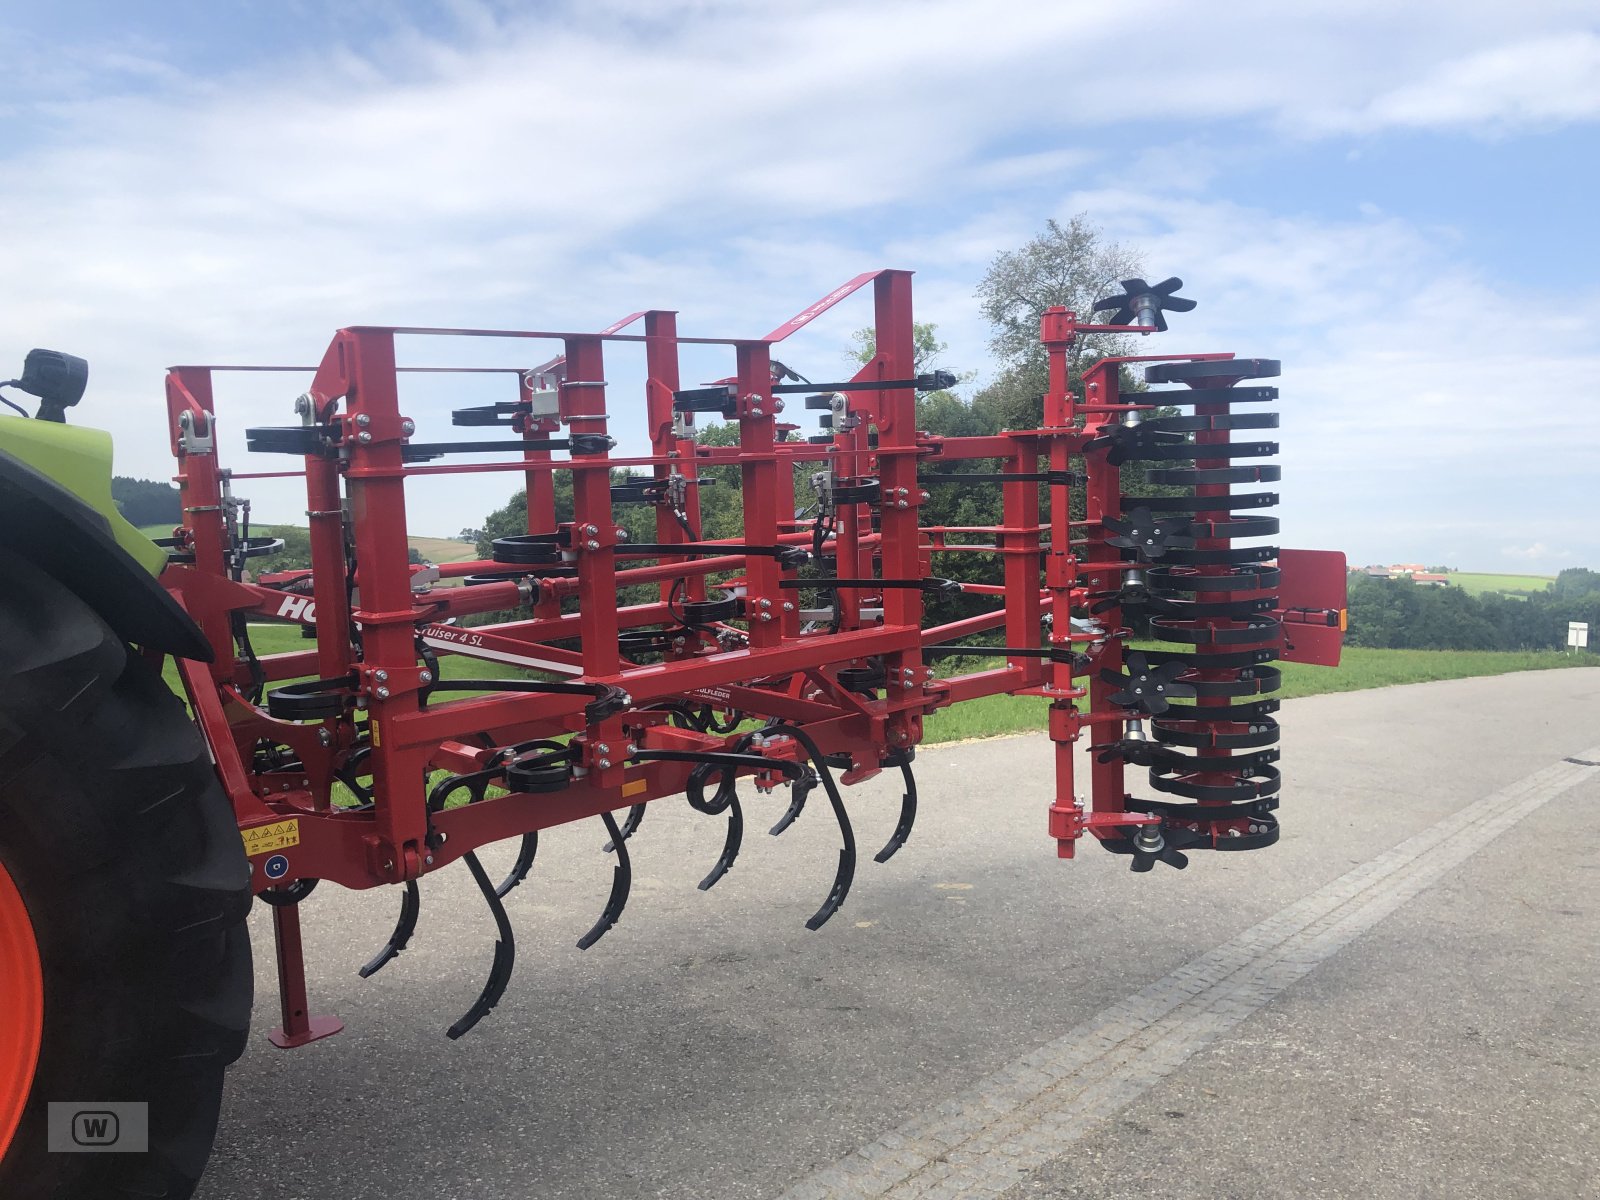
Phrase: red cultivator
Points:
(795, 654)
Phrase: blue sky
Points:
(1397, 200)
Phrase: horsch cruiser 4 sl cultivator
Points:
(795, 655)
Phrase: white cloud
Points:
(736, 160)
(1536, 83)
(1537, 552)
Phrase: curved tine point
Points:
(839, 890)
(630, 826)
(730, 847)
(505, 953)
(908, 817)
(621, 883)
(404, 927)
(799, 790)
(524, 864)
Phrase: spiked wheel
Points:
(1142, 304)
(1147, 688)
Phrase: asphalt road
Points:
(1400, 999)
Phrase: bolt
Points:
(756, 412)
(388, 865)
(363, 420)
(603, 763)
(632, 749)
(382, 693)
(787, 606)
(601, 748)
(591, 544)
(777, 405)
(363, 437)
(427, 860)
(901, 492)
(381, 675)
(425, 676)
(902, 504)
(620, 534)
(325, 736)
(922, 496)
(766, 616)
(764, 603)
(591, 530)
(408, 426)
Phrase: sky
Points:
(1395, 200)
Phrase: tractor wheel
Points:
(125, 971)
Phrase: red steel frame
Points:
(782, 672)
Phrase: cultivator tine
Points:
(524, 864)
(730, 847)
(908, 814)
(630, 826)
(847, 862)
(799, 790)
(404, 927)
(847, 853)
(505, 953)
(621, 882)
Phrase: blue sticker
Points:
(277, 867)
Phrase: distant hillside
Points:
(1511, 585)
(144, 501)
(297, 545)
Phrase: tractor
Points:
(610, 656)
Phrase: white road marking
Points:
(985, 1140)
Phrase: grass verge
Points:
(1360, 669)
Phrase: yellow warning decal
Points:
(377, 734)
(263, 839)
(634, 786)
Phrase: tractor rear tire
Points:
(123, 896)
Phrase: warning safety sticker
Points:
(263, 839)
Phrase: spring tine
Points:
(730, 847)
(404, 927)
(505, 953)
(908, 815)
(630, 826)
(621, 881)
(524, 864)
(798, 791)
(847, 853)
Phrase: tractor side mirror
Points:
(57, 379)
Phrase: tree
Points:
(1066, 265)
(146, 502)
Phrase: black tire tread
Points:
(116, 829)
